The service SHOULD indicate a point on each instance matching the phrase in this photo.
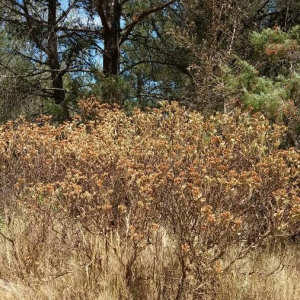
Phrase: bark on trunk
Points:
(56, 75)
(111, 58)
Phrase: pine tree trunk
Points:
(56, 75)
(111, 58)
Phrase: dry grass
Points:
(57, 269)
(75, 264)
(268, 273)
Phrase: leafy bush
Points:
(210, 185)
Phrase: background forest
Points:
(207, 55)
(149, 149)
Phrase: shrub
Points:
(210, 185)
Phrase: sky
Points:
(83, 16)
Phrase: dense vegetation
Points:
(157, 155)
(210, 186)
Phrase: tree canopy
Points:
(137, 53)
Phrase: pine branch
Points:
(137, 19)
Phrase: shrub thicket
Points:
(210, 186)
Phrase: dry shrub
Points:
(156, 199)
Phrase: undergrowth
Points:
(161, 204)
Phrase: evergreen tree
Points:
(51, 39)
